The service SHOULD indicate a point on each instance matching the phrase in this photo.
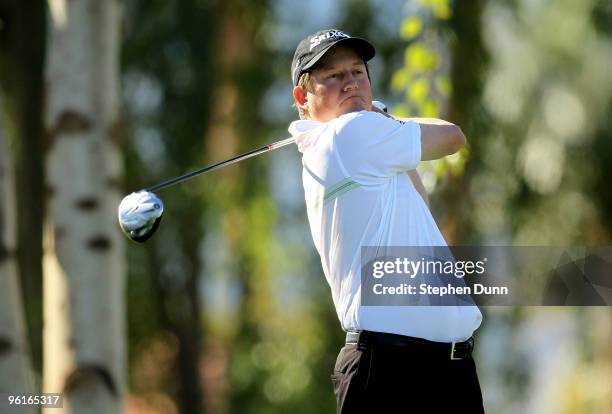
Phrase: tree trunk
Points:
(14, 350)
(22, 42)
(83, 262)
(469, 64)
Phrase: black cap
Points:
(313, 47)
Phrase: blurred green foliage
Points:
(424, 78)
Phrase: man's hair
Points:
(305, 81)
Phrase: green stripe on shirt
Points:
(339, 189)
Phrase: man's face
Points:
(340, 85)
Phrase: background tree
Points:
(22, 52)
(84, 341)
(14, 349)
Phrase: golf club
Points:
(252, 153)
(141, 212)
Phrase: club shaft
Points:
(237, 158)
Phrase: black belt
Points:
(453, 350)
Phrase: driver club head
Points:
(144, 233)
(139, 215)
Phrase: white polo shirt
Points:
(357, 194)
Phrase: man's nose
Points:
(350, 82)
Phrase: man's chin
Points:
(355, 107)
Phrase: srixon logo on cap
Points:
(315, 41)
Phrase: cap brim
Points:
(362, 46)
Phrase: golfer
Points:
(361, 189)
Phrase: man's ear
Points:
(300, 96)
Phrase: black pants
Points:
(399, 380)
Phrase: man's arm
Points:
(439, 138)
(418, 185)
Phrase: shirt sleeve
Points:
(373, 147)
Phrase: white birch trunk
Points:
(83, 263)
(16, 376)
